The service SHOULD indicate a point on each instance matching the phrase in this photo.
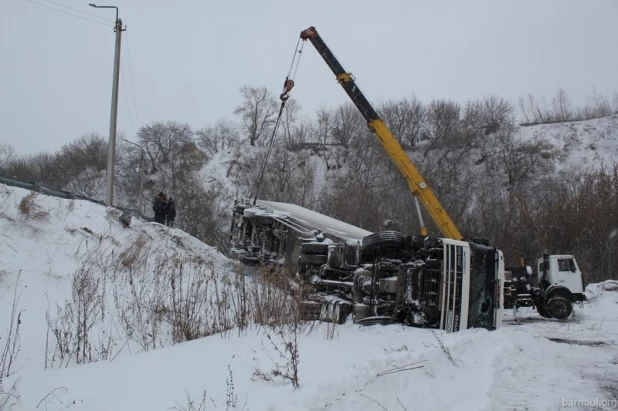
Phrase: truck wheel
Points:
(559, 307)
(383, 239)
(542, 310)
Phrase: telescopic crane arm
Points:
(415, 180)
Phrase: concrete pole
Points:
(111, 146)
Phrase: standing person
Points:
(159, 207)
(171, 212)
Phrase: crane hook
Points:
(287, 87)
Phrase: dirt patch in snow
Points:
(579, 342)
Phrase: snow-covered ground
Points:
(589, 143)
(530, 363)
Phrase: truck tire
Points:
(372, 244)
(383, 239)
(543, 311)
(559, 307)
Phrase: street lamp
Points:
(141, 178)
(113, 121)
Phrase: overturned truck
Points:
(383, 277)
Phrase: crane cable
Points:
(288, 84)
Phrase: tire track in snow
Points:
(537, 373)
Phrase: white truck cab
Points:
(562, 270)
(560, 283)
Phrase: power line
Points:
(132, 83)
(70, 14)
(124, 88)
(83, 12)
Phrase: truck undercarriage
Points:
(385, 277)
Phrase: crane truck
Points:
(558, 284)
(448, 282)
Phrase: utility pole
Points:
(113, 120)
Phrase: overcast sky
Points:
(189, 58)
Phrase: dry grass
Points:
(9, 351)
(135, 252)
(141, 300)
(30, 210)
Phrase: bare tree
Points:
(406, 119)
(497, 112)
(221, 136)
(368, 166)
(442, 122)
(172, 154)
(523, 161)
(601, 106)
(289, 122)
(562, 107)
(203, 212)
(348, 124)
(257, 112)
(161, 139)
(472, 116)
(530, 108)
(7, 155)
(523, 109)
(325, 125)
(81, 164)
(340, 127)
(303, 132)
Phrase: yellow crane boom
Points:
(415, 180)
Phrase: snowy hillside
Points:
(577, 144)
(589, 143)
(46, 243)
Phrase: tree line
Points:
(493, 183)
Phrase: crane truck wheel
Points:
(543, 312)
(559, 307)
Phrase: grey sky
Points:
(189, 58)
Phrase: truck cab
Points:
(561, 270)
(561, 283)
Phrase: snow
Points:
(589, 143)
(313, 219)
(530, 363)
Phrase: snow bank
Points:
(45, 241)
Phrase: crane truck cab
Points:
(560, 284)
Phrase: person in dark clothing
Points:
(171, 212)
(159, 206)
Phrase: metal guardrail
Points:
(536, 123)
(41, 188)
